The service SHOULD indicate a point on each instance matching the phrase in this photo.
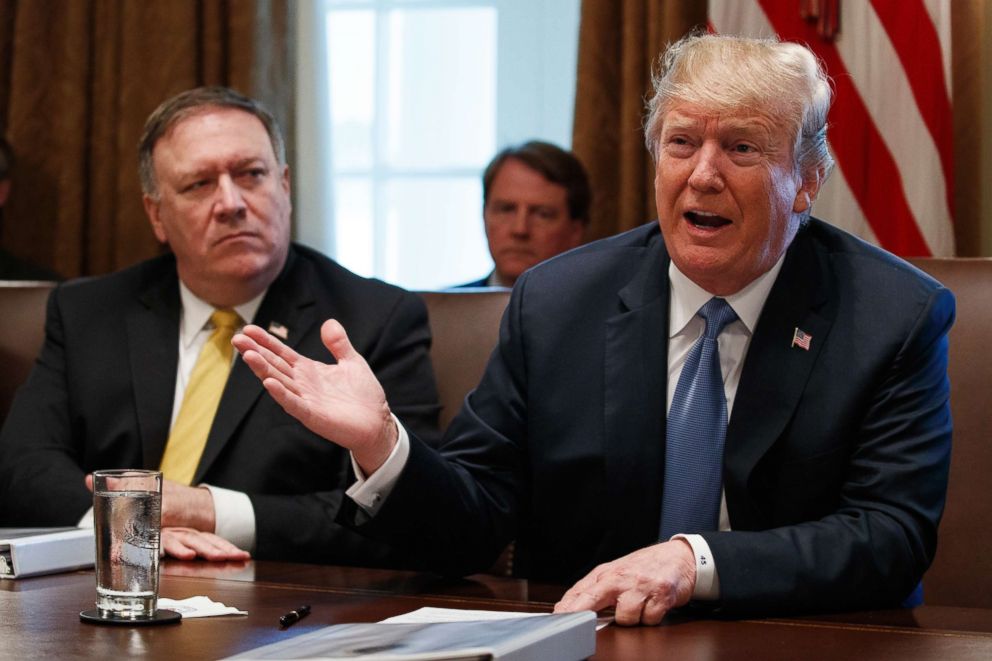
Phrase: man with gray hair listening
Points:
(738, 406)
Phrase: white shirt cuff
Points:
(234, 517)
(707, 581)
(370, 492)
(87, 520)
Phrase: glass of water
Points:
(127, 517)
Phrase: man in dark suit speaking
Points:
(802, 462)
(137, 367)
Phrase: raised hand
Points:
(341, 402)
(641, 586)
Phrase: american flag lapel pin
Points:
(278, 330)
(801, 339)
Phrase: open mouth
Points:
(705, 219)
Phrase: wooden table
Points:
(39, 618)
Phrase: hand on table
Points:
(185, 506)
(187, 544)
(641, 586)
(342, 402)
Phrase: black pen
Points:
(292, 617)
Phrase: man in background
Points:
(536, 199)
(137, 369)
(11, 267)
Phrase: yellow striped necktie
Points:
(196, 415)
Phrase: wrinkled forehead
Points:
(734, 121)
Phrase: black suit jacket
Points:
(101, 396)
(836, 459)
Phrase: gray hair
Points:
(191, 102)
(726, 73)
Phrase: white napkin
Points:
(198, 607)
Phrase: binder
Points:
(32, 551)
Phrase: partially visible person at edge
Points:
(120, 351)
(535, 205)
(12, 267)
(824, 490)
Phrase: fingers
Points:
(187, 544)
(89, 481)
(587, 594)
(267, 357)
(336, 340)
(641, 587)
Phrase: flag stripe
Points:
(860, 151)
(882, 84)
(917, 45)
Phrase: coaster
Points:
(161, 616)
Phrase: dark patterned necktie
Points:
(697, 427)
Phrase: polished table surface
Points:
(39, 617)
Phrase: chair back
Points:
(22, 313)
(465, 327)
(961, 574)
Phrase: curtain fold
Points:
(619, 43)
(78, 79)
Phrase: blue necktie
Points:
(697, 427)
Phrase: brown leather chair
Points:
(465, 326)
(22, 313)
(961, 574)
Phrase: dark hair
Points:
(6, 159)
(188, 103)
(555, 164)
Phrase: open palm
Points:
(341, 402)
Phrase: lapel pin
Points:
(801, 339)
(278, 330)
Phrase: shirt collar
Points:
(196, 312)
(687, 297)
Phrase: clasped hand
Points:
(188, 523)
(641, 586)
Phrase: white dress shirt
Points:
(233, 512)
(684, 328)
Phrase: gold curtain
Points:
(77, 80)
(619, 41)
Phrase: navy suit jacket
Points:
(101, 396)
(836, 458)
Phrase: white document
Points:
(429, 614)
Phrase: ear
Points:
(576, 232)
(284, 179)
(809, 188)
(152, 211)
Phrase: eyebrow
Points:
(210, 170)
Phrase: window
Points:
(402, 103)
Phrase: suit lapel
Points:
(152, 327)
(775, 372)
(634, 399)
(289, 303)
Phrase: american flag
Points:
(890, 124)
(801, 339)
(278, 330)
